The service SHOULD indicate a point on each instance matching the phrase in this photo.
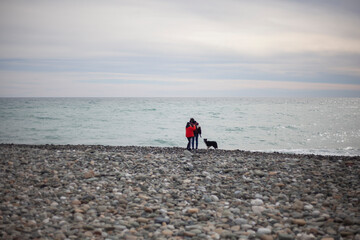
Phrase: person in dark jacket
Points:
(197, 132)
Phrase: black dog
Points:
(210, 144)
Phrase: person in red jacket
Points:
(190, 128)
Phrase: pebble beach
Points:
(108, 192)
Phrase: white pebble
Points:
(309, 207)
(258, 209)
(214, 198)
(46, 221)
(257, 202)
(263, 231)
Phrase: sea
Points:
(324, 126)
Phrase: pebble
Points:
(263, 231)
(266, 237)
(257, 202)
(300, 222)
(109, 192)
(304, 236)
(309, 207)
(258, 209)
(75, 202)
(285, 236)
(214, 198)
(167, 232)
(193, 210)
(240, 221)
(162, 220)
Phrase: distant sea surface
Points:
(326, 126)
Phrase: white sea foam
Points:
(324, 152)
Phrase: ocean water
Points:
(327, 126)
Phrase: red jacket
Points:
(190, 131)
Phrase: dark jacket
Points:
(197, 130)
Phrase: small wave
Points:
(52, 137)
(51, 130)
(263, 128)
(324, 152)
(163, 142)
(46, 118)
(214, 114)
(234, 129)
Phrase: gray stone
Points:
(257, 202)
(263, 231)
(214, 198)
(162, 220)
(285, 236)
(240, 221)
(188, 153)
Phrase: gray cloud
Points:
(287, 41)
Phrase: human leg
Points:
(188, 145)
(196, 138)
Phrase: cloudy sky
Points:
(146, 48)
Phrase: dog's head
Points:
(205, 139)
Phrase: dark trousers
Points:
(196, 138)
(190, 141)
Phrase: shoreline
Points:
(131, 192)
(156, 148)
